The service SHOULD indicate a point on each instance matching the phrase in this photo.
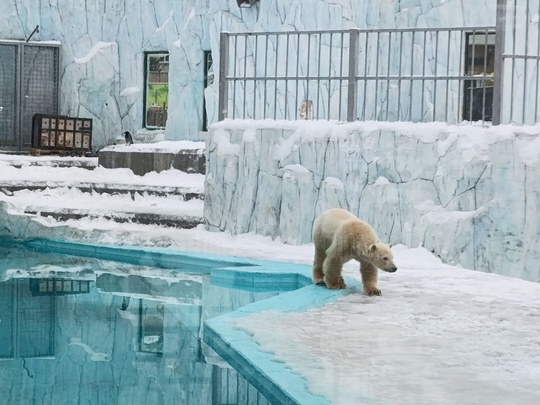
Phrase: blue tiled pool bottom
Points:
(123, 325)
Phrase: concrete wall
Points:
(189, 161)
(468, 193)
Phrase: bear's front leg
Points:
(318, 274)
(332, 273)
(369, 278)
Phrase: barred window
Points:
(480, 65)
(156, 89)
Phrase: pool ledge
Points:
(272, 378)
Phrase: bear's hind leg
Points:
(318, 275)
(332, 273)
(369, 278)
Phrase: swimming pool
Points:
(85, 329)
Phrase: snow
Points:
(17, 41)
(439, 334)
(172, 147)
(296, 169)
(224, 146)
(435, 328)
(94, 51)
(381, 181)
(73, 199)
(129, 91)
(334, 182)
(306, 131)
(167, 21)
(528, 148)
(178, 42)
(100, 175)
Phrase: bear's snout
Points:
(392, 269)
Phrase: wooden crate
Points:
(56, 133)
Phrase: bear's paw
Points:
(335, 284)
(372, 291)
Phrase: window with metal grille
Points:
(156, 95)
(480, 65)
(208, 81)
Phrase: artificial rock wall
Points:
(468, 193)
(103, 44)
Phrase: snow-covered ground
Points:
(74, 199)
(439, 334)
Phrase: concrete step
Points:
(18, 161)
(147, 205)
(184, 193)
(172, 221)
(186, 156)
(72, 195)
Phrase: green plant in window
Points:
(158, 95)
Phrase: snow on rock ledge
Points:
(468, 193)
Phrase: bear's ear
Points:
(390, 245)
(372, 248)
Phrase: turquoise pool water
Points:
(84, 330)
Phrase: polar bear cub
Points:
(339, 236)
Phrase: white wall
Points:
(469, 193)
(103, 45)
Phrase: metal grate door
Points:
(29, 79)
(8, 95)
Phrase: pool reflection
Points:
(126, 337)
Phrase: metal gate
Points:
(29, 84)
(518, 62)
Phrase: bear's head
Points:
(380, 255)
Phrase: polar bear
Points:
(338, 237)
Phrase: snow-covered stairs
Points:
(65, 214)
(81, 190)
